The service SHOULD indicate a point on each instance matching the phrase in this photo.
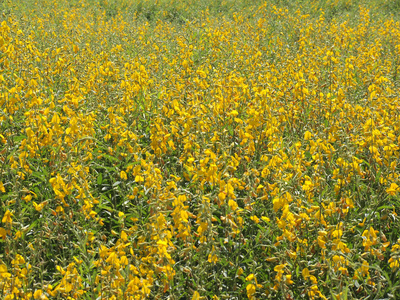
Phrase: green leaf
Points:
(39, 175)
(385, 207)
(110, 157)
(100, 179)
(117, 183)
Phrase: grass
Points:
(199, 149)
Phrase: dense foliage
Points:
(199, 149)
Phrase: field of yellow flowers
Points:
(167, 149)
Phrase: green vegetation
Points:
(199, 149)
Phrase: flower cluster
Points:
(199, 149)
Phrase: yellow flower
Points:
(306, 273)
(124, 236)
(307, 135)
(232, 204)
(212, 257)
(289, 279)
(2, 189)
(40, 206)
(28, 198)
(7, 217)
(39, 295)
(250, 277)
(123, 175)
(369, 238)
(3, 233)
(265, 219)
(3, 272)
(280, 271)
(18, 234)
(234, 113)
(196, 296)
(394, 263)
(255, 219)
(251, 290)
(393, 189)
(278, 203)
(139, 178)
